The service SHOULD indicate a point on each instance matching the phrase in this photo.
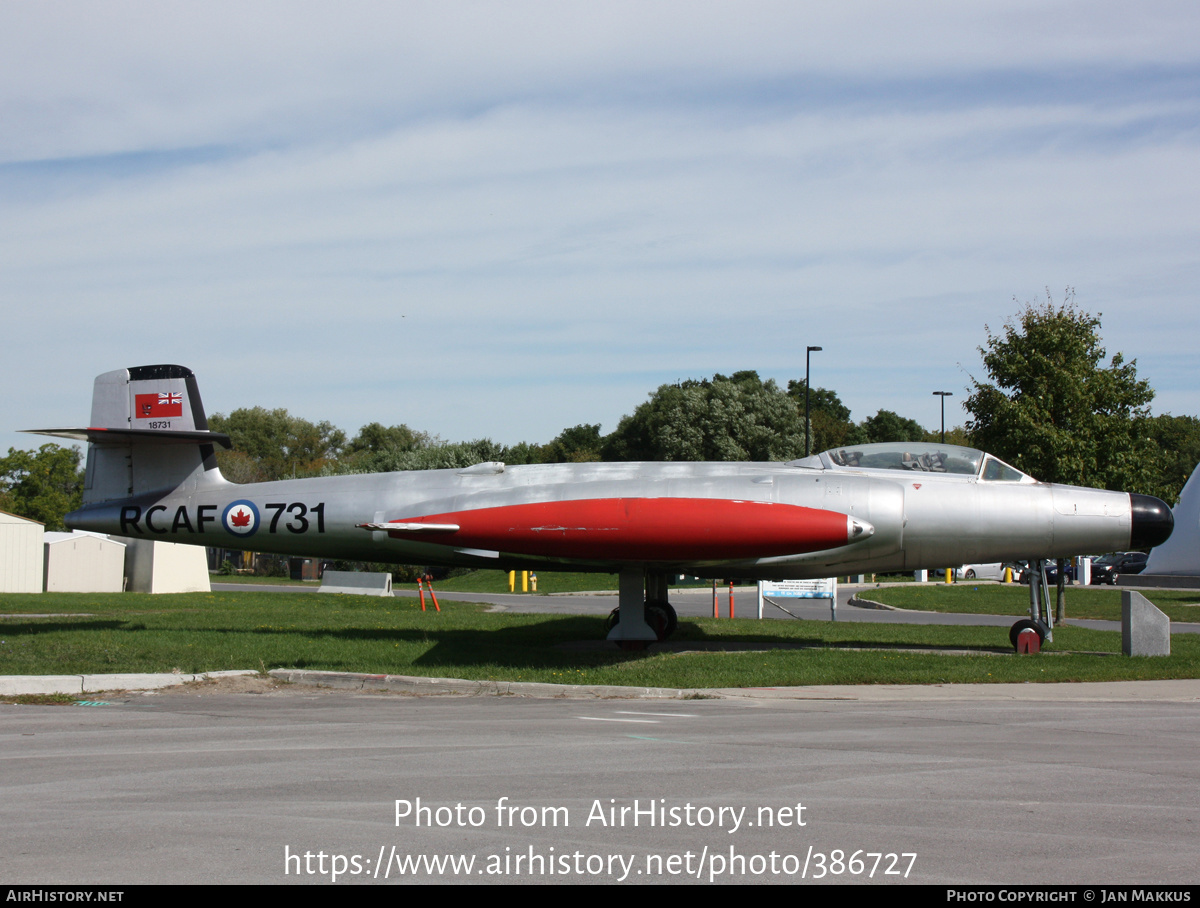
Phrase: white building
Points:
(83, 563)
(21, 554)
(153, 566)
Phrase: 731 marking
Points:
(298, 520)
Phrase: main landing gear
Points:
(644, 615)
(659, 615)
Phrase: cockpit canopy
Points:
(918, 457)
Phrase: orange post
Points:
(716, 609)
(421, 593)
(432, 594)
(730, 598)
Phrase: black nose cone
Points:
(1152, 521)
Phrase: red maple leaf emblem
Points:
(240, 518)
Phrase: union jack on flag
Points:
(157, 406)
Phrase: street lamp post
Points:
(943, 395)
(807, 388)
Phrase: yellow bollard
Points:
(949, 575)
(1008, 575)
(524, 581)
(512, 581)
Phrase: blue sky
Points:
(500, 220)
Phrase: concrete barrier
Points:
(357, 583)
(1145, 630)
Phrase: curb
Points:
(13, 685)
(1182, 690)
(412, 684)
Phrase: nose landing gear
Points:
(1039, 609)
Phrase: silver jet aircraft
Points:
(151, 474)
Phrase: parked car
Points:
(992, 571)
(1107, 568)
(1052, 572)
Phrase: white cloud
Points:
(503, 220)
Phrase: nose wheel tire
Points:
(1022, 625)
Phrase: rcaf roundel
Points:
(240, 518)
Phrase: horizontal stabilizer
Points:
(101, 435)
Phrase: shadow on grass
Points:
(58, 626)
(556, 643)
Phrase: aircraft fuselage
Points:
(570, 516)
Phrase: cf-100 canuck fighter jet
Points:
(151, 473)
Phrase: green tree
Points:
(375, 437)
(273, 444)
(887, 426)
(739, 417)
(377, 445)
(831, 425)
(435, 455)
(1054, 409)
(1177, 441)
(42, 485)
(579, 444)
(955, 435)
(523, 452)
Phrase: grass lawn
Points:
(1013, 599)
(200, 632)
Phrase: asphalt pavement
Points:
(1022, 784)
(325, 777)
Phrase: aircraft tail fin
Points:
(1178, 555)
(148, 432)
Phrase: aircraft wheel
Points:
(970, 575)
(1025, 624)
(669, 614)
(656, 617)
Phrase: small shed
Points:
(21, 554)
(153, 566)
(83, 563)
